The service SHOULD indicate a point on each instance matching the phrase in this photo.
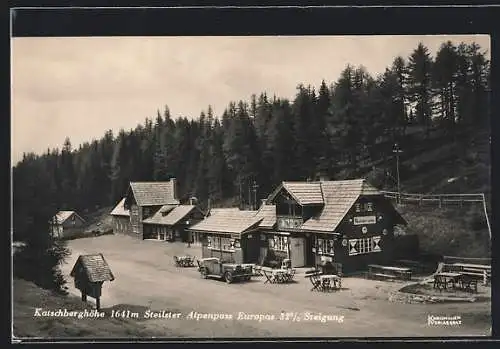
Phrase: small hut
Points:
(90, 271)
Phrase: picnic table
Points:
(330, 282)
(457, 280)
(474, 271)
(441, 280)
(388, 272)
(184, 261)
(324, 282)
(278, 276)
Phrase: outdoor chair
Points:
(269, 276)
(468, 283)
(316, 282)
(290, 275)
(257, 270)
(440, 282)
(177, 262)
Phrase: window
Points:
(364, 207)
(364, 245)
(220, 243)
(279, 243)
(325, 246)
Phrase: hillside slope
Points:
(449, 231)
(28, 296)
(440, 165)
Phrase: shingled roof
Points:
(339, 196)
(120, 209)
(95, 268)
(154, 193)
(268, 215)
(62, 216)
(172, 217)
(230, 221)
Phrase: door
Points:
(297, 252)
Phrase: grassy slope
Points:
(27, 296)
(451, 231)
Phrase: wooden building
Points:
(348, 222)
(233, 234)
(170, 223)
(121, 218)
(89, 273)
(142, 201)
(65, 224)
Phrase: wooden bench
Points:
(476, 271)
(383, 276)
(388, 272)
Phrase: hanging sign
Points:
(365, 220)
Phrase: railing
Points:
(439, 198)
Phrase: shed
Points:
(66, 223)
(90, 271)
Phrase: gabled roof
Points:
(62, 216)
(172, 217)
(305, 193)
(95, 267)
(339, 197)
(228, 221)
(120, 209)
(153, 193)
(268, 215)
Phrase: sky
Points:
(81, 87)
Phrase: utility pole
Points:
(397, 151)
(240, 202)
(255, 186)
(249, 195)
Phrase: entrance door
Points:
(297, 252)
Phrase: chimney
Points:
(173, 182)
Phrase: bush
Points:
(40, 264)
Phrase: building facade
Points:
(171, 223)
(347, 222)
(66, 224)
(142, 201)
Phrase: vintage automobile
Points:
(214, 267)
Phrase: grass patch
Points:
(28, 296)
(452, 231)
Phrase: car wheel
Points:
(247, 278)
(228, 277)
(204, 273)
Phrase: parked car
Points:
(214, 267)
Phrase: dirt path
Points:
(145, 276)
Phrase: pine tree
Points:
(420, 85)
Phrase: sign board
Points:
(289, 223)
(365, 220)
